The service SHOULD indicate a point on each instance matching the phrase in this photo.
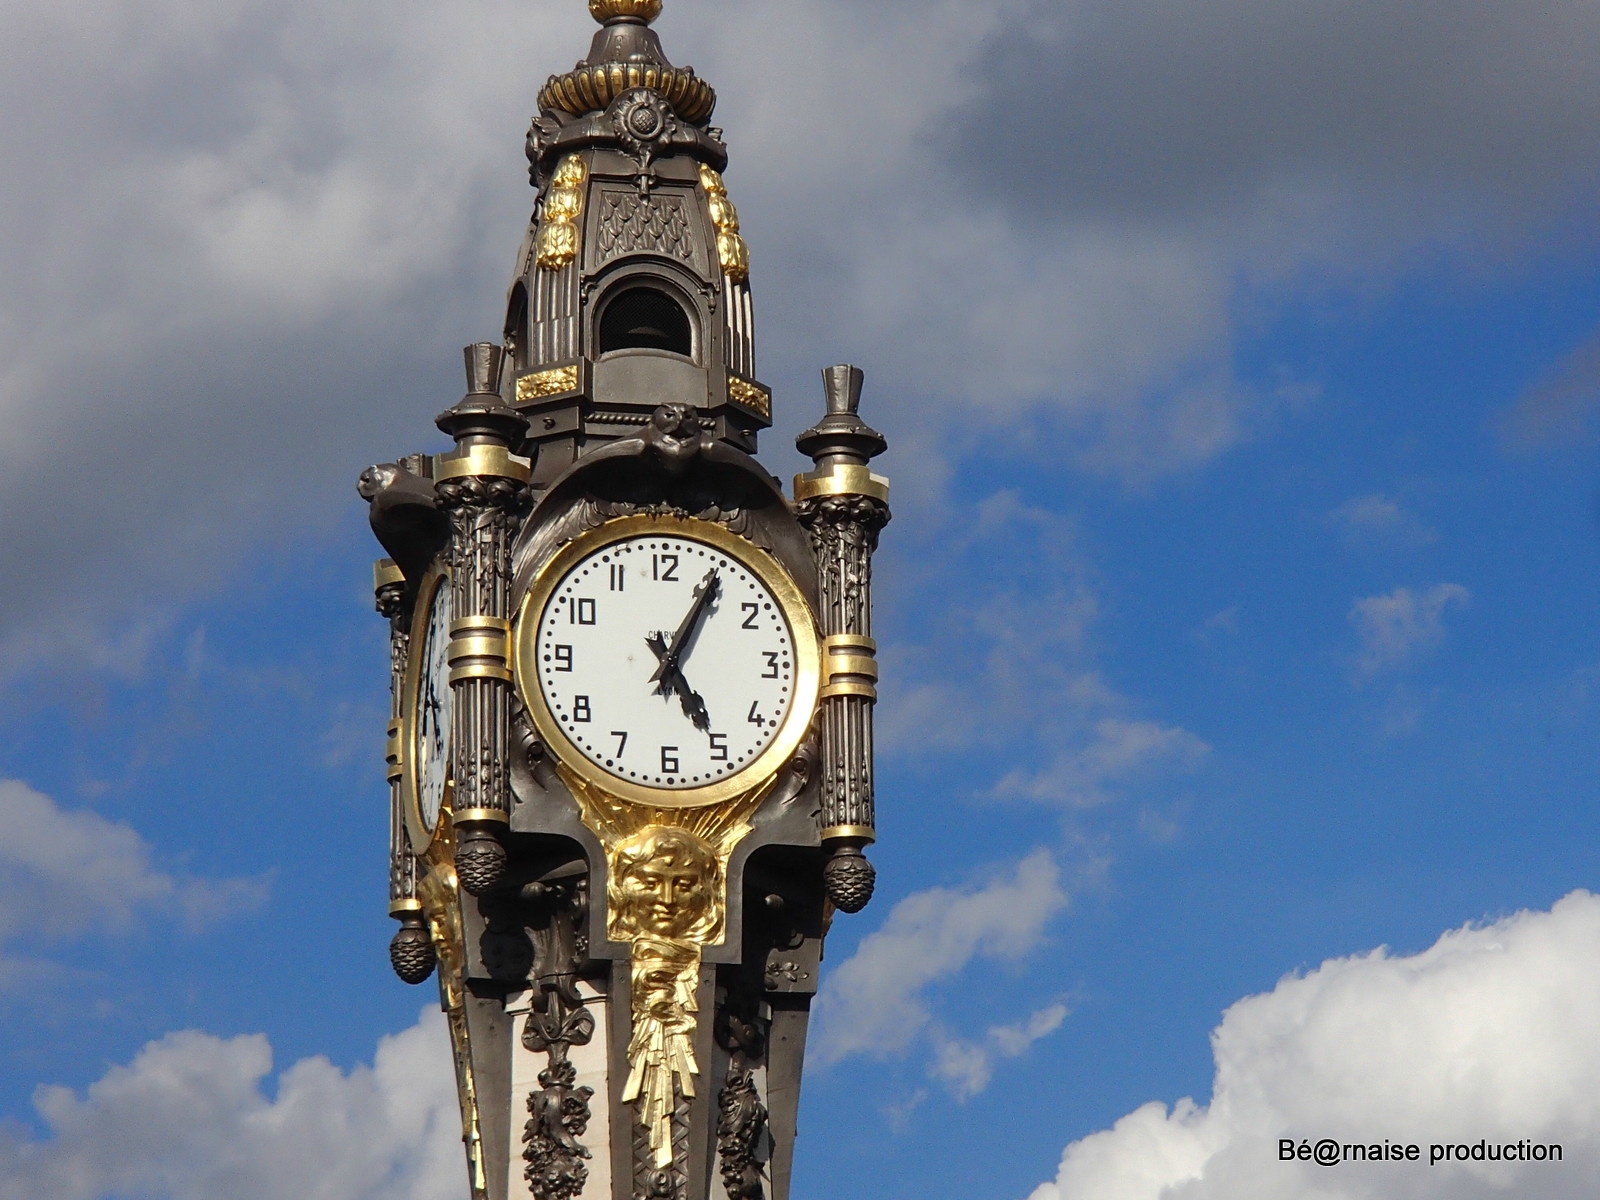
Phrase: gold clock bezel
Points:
(802, 627)
(436, 577)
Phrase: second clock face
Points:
(666, 661)
(433, 708)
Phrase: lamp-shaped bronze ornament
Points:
(630, 745)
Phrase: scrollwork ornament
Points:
(558, 1117)
(741, 1130)
(557, 1021)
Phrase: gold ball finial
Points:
(610, 10)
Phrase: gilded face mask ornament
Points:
(666, 897)
(667, 884)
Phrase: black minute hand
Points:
(704, 594)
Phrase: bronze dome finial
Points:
(606, 11)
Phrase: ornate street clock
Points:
(630, 747)
(668, 661)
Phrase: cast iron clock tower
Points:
(630, 753)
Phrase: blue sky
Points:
(1240, 370)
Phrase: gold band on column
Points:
(482, 460)
(842, 480)
(860, 833)
(386, 573)
(479, 649)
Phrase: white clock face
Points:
(666, 661)
(432, 749)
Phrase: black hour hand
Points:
(671, 680)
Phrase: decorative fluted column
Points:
(844, 506)
(481, 485)
(411, 951)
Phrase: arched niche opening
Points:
(646, 318)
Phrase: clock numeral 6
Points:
(669, 760)
(582, 610)
(563, 656)
(580, 709)
(719, 747)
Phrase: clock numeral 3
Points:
(622, 740)
(563, 656)
(669, 760)
(719, 747)
(772, 664)
(664, 567)
(583, 610)
(751, 611)
(580, 709)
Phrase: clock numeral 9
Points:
(669, 760)
(580, 709)
(664, 567)
(772, 664)
(582, 610)
(563, 655)
(719, 747)
(751, 611)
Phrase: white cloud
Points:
(875, 1001)
(966, 1067)
(1493, 1033)
(66, 872)
(191, 1118)
(1009, 661)
(1121, 751)
(1392, 629)
(1376, 517)
(1561, 406)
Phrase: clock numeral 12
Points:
(669, 760)
(664, 567)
